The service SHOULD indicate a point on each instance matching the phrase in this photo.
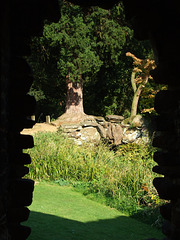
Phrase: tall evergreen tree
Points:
(86, 47)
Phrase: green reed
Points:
(123, 177)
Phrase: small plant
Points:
(132, 126)
(63, 182)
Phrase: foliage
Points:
(38, 94)
(139, 78)
(91, 42)
(71, 38)
(123, 178)
(146, 103)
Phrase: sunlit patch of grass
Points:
(66, 214)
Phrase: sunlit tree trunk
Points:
(143, 68)
(74, 111)
(137, 93)
(135, 101)
(74, 100)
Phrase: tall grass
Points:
(123, 178)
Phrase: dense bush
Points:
(122, 179)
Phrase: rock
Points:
(137, 121)
(39, 127)
(78, 142)
(101, 131)
(85, 135)
(99, 128)
(75, 135)
(99, 119)
(71, 126)
(93, 128)
(114, 118)
(131, 135)
(109, 132)
(116, 129)
(90, 134)
(145, 135)
(114, 133)
(117, 133)
(88, 124)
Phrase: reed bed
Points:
(122, 177)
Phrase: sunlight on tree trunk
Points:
(74, 101)
(74, 111)
(137, 93)
(139, 78)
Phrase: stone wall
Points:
(114, 129)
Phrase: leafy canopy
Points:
(75, 50)
(89, 42)
(84, 42)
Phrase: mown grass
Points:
(66, 214)
(121, 179)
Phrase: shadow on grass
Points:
(50, 227)
(150, 216)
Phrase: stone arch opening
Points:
(19, 21)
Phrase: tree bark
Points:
(74, 101)
(74, 111)
(137, 92)
(135, 101)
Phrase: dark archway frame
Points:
(19, 20)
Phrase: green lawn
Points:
(60, 213)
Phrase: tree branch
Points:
(133, 81)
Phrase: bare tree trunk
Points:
(137, 92)
(74, 112)
(135, 101)
(74, 101)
